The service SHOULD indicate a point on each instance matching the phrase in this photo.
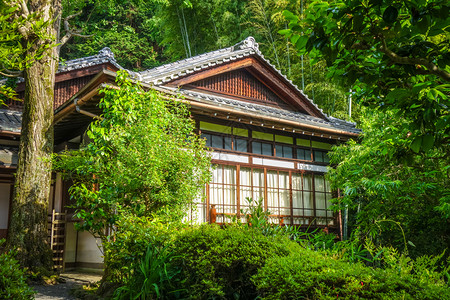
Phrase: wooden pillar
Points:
(238, 191)
(265, 189)
(213, 215)
(291, 200)
(207, 202)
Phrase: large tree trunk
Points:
(28, 231)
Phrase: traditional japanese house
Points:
(269, 140)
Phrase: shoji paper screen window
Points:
(296, 198)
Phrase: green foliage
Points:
(394, 54)
(14, 46)
(313, 275)
(218, 263)
(393, 195)
(258, 220)
(127, 27)
(8, 90)
(13, 284)
(127, 245)
(395, 57)
(142, 159)
(150, 275)
(257, 217)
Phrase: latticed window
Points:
(263, 143)
(290, 197)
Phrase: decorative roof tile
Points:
(8, 156)
(10, 120)
(104, 56)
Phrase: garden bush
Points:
(307, 274)
(151, 277)
(128, 244)
(218, 263)
(13, 283)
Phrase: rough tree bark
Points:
(28, 227)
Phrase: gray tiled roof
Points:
(8, 156)
(105, 55)
(263, 110)
(10, 120)
(247, 47)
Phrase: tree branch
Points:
(21, 13)
(69, 32)
(10, 73)
(25, 12)
(432, 68)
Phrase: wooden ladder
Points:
(58, 239)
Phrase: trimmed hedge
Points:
(311, 275)
(208, 262)
(218, 263)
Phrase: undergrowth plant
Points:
(150, 276)
(13, 284)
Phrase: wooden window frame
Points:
(313, 217)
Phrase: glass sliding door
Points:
(323, 196)
(297, 198)
(222, 192)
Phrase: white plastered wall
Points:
(88, 248)
(81, 247)
(71, 243)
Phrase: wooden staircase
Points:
(57, 234)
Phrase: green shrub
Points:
(218, 263)
(127, 246)
(149, 276)
(312, 275)
(12, 278)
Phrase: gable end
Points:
(242, 85)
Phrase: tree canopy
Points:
(395, 54)
(141, 159)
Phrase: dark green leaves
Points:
(358, 22)
(390, 15)
(416, 144)
(424, 143)
(427, 142)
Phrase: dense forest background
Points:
(145, 34)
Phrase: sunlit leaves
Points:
(352, 37)
(381, 179)
(142, 159)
